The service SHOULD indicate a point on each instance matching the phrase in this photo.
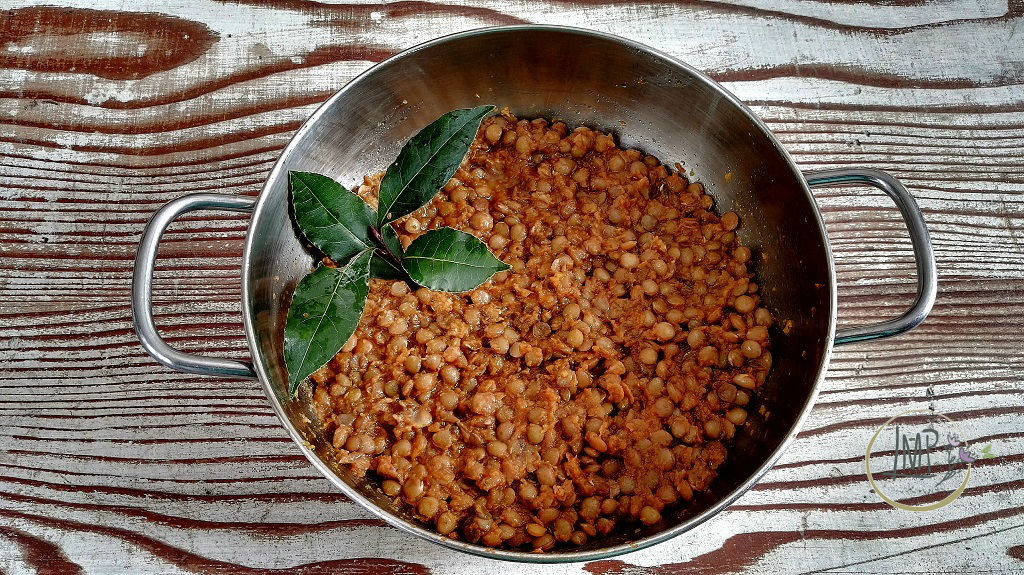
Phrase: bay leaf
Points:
(427, 162)
(449, 260)
(334, 219)
(324, 312)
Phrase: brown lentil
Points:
(590, 386)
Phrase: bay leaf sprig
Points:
(362, 244)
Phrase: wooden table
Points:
(110, 463)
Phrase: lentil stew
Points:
(584, 390)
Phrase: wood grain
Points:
(110, 463)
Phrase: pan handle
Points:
(142, 282)
(927, 282)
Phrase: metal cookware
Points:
(652, 102)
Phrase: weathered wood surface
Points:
(110, 463)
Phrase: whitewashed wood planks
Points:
(111, 463)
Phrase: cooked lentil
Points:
(592, 385)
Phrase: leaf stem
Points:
(385, 252)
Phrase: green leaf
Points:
(427, 162)
(323, 314)
(382, 268)
(336, 220)
(449, 260)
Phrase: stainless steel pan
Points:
(651, 101)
